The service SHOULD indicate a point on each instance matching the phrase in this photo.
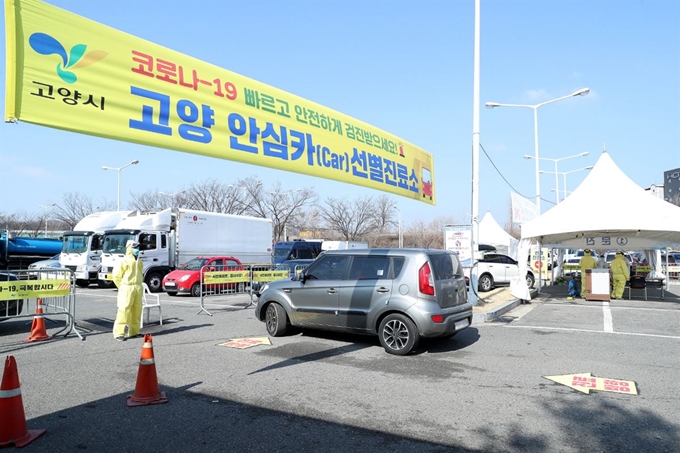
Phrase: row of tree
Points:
(294, 213)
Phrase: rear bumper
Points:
(455, 319)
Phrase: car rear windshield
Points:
(446, 267)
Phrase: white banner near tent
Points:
(523, 210)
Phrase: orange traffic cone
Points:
(38, 331)
(147, 390)
(12, 419)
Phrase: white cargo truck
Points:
(172, 237)
(343, 245)
(82, 248)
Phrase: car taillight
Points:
(425, 280)
(437, 319)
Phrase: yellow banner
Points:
(214, 278)
(269, 276)
(71, 73)
(41, 288)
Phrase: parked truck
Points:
(19, 252)
(82, 248)
(172, 237)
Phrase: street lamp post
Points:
(401, 238)
(557, 173)
(581, 92)
(47, 213)
(134, 162)
(564, 177)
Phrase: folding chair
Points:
(637, 282)
(149, 301)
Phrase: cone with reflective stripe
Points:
(12, 419)
(147, 390)
(38, 331)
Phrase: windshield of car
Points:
(74, 244)
(195, 264)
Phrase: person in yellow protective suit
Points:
(128, 277)
(620, 274)
(587, 262)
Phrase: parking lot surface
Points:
(483, 390)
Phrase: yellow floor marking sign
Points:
(585, 382)
(243, 343)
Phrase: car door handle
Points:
(332, 291)
(382, 289)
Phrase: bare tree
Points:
(281, 206)
(351, 219)
(75, 207)
(385, 209)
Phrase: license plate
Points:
(170, 285)
(463, 323)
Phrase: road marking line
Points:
(607, 314)
(510, 326)
(613, 308)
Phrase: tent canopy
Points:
(607, 211)
(490, 232)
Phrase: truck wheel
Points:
(106, 284)
(82, 283)
(154, 281)
(485, 283)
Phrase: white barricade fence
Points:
(20, 291)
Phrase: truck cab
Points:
(154, 251)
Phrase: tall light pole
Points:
(285, 224)
(557, 173)
(47, 213)
(581, 92)
(565, 173)
(134, 162)
(401, 238)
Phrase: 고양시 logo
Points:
(76, 58)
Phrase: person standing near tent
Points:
(620, 274)
(587, 262)
(129, 277)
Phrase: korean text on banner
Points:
(71, 73)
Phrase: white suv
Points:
(496, 268)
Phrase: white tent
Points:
(491, 233)
(607, 211)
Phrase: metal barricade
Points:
(216, 282)
(20, 291)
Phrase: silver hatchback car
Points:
(398, 294)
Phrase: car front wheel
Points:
(276, 320)
(398, 334)
(196, 290)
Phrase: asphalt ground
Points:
(318, 392)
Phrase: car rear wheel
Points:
(276, 320)
(398, 334)
(485, 283)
